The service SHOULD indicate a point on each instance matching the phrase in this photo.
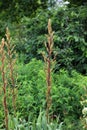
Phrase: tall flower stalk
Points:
(3, 73)
(11, 67)
(49, 61)
(7, 68)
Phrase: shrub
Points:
(67, 94)
(31, 93)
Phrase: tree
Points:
(70, 36)
(16, 9)
(77, 2)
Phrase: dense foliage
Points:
(27, 21)
(67, 92)
(69, 38)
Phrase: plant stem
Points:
(11, 68)
(4, 82)
(48, 61)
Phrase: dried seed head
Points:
(3, 42)
(7, 34)
(49, 27)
